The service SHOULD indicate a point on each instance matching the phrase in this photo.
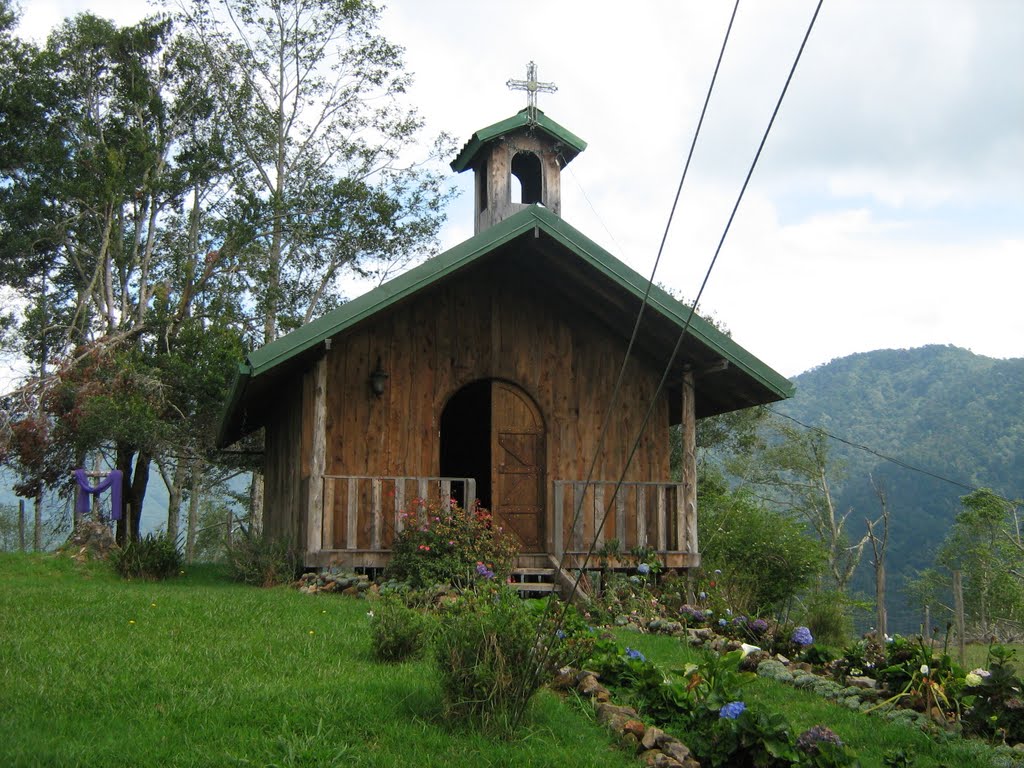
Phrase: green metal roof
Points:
(572, 143)
(264, 362)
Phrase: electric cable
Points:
(679, 341)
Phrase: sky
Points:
(887, 209)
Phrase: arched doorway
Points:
(493, 431)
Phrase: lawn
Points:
(870, 737)
(201, 672)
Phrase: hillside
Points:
(939, 408)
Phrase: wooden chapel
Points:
(486, 373)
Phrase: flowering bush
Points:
(997, 698)
(802, 636)
(450, 545)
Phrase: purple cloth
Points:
(111, 481)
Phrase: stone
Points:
(658, 759)
(651, 737)
(614, 717)
(350, 591)
(675, 749)
(565, 679)
(781, 659)
(588, 685)
(862, 682)
(634, 727)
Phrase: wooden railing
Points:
(363, 513)
(641, 514)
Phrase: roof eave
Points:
(573, 143)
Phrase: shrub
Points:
(484, 650)
(451, 545)
(998, 703)
(263, 561)
(826, 615)
(397, 631)
(151, 557)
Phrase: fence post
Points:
(958, 606)
(21, 525)
(926, 633)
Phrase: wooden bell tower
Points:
(528, 147)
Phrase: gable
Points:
(579, 271)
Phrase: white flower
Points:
(369, 614)
(924, 669)
(748, 649)
(972, 679)
(981, 672)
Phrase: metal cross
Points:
(531, 86)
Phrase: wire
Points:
(683, 332)
(885, 457)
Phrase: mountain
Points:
(942, 409)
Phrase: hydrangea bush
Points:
(447, 544)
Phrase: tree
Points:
(316, 129)
(765, 558)
(121, 283)
(791, 471)
(879, 545)
(982, 544)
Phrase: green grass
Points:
(869, 737)
(95, 671)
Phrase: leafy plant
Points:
(262, 560)
(447, 544)
(151, 557)
(397, 631)
(998, 698)
(484, 655)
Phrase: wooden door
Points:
(517, 465)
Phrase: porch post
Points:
(686, 527)
(317, 460)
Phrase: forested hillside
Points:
(938, 408)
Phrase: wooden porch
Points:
(361, 515)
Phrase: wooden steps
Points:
(533, 581)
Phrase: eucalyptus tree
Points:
(320, 138)
(792, 470)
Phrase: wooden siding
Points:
(284, 499)
(494, 322)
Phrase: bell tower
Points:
(525, 153)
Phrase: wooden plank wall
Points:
(284, 490)
(493, 322)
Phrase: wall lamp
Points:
(378, 379)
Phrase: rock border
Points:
(652, 746)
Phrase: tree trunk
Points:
(883, 616)
(135, 482)
(174, 500)
(194, 496)
(37, 532)
(256, 503)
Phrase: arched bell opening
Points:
(526, 169)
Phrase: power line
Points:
(686, 327)
(578, 507)
(885, 457)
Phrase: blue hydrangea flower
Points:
(643, 569)
(722, 622)
(484, 571)
(633, 653)
(560, 634)
(802, 636)
(732, 710)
